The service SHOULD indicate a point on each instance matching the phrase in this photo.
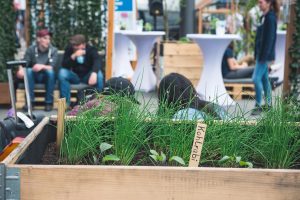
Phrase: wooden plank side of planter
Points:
(148, 183)
(183, 61)
(182, 49)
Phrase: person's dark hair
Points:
(77, 40)
(274, 6)
(231, 45)
(177, 92)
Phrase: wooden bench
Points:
(40, 94)
(240, 88)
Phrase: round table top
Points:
(141, 33)
(214, 36)
(280, 32)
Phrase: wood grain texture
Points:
(183, 61)
(110, 39)
(5, 94)
(60, 122)
(148, 183)
(172, 48)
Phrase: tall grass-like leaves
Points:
(83, 135)
(273, 143)
(129, 130)
(230, 137)
(278, 144)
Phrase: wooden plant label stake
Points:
(61, 111)
(197, 145)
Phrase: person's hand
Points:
(244, 64)
(20, 73)
(47, 67)
(93, 78)
(79, 52)
(37, 67)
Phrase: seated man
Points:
(81, 63)
(232, 69)
(41, 59)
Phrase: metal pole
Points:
(188, 17)
(27, 93)
(12, 92)
(155, 22)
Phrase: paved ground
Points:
(150, 99)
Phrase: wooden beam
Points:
(218, 11)
(110, 39)
(159, 183)
(289, 41)
(60, 122)
(200, 22)
(18, 152)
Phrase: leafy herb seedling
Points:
(232, 160)
(105, 158)
(162, 158)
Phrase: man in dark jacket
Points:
(81, 63)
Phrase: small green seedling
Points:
(232, 160)
(162, 158)
(105, 158)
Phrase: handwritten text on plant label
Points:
(197, 145)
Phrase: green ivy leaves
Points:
(7, 36)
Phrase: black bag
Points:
(85, 94)
(12, 127)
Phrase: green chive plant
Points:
(277, 141)
(132, 129)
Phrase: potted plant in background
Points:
(7, 47)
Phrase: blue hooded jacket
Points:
(266, 38)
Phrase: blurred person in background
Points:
(265, 53)
(81, 64)
(41, 60)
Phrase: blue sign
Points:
(123, 5)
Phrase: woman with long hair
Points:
(264, 53)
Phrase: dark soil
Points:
(50, 156)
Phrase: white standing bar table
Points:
(121, 63)
(280, 55)
(143, 78)
(211, 84)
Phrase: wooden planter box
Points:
(147, 183)
(183, 58)
(5, 96)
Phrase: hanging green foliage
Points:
(65, 18)
(7, 36)
(294, 52)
